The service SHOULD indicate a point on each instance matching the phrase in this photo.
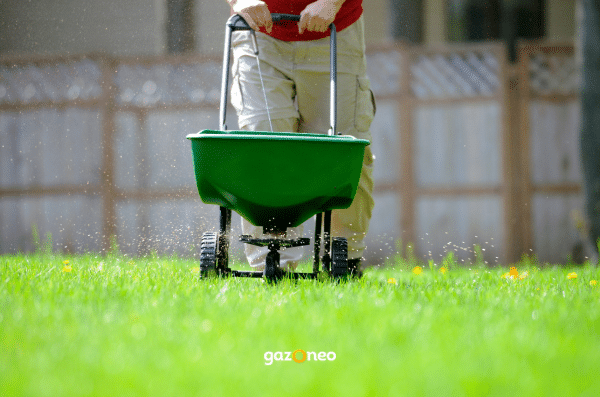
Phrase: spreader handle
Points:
(285, 17)
(236, 22)
(332, 68)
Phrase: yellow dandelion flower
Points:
(195, 270)
(443, 270)
(67, 269)
(513, 272)
(593, 283)
(523, 275)
(505, 275)
(572, 275)
(66, 262)
(392, 281)
(417, 270)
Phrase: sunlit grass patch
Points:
(114, 325)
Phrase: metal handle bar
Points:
(236, 22)
(285, 17)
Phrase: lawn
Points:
(116, 326)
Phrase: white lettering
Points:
(301, 357)
(268, 358)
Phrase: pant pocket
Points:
(237, 100)
(365, 105)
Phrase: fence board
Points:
(130, 151)
(385, 229)
(458, 145)
(555, 142)
(173, 226)
(50, 147)
(75, 223)
(457, 224)
(171, 164)
(554, 223)
(386, 143)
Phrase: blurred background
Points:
(476, 135)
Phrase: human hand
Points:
(255, 12)
(317, 16)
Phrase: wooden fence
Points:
(469, 150)
(449, 180)
(548, 148)
(94, 147)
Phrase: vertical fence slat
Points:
(407, 173)
(109, 215)
(512, 168)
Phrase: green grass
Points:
(115, 326)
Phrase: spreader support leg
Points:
(317, 243)
(225, 232)
(327, 242)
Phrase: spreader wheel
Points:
(271, 265)
(208, 254)
(339, 257)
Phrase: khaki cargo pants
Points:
(296, 81)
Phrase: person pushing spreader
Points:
(276, 180)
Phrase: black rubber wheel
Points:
(339, 257)
(208, 254)
(271, 265)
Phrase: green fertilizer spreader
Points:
(276, 180)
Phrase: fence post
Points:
(407, 177)
(511, 158)
(108, 103)
(521, 215)
(516, 159)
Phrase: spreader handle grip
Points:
(285, 17)
(237, 22)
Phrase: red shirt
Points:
(288, 31)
